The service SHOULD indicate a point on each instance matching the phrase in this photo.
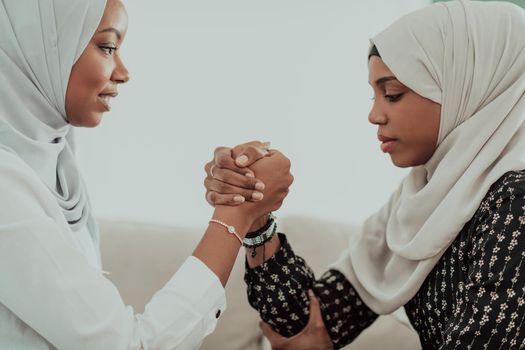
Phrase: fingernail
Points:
(257, 196)
(259, 186)
(267, 144)
(249, 175)
(311, 293)
(241, 159)
(238, 199)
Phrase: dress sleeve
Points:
(278, 290)
(490, 310)
(49, 285)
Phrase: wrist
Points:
(258, 223)
(235, 218)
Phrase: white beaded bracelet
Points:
(230, 228)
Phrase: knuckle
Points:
(219, 149)
(217, 173)
(319, 326)
(222, 161)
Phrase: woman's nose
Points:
(376, 116)
(120, 74)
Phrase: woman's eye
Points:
(108, 49)
(393, 98)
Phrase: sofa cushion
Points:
(142, 257)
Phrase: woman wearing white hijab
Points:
(59, 67)
(449, 85)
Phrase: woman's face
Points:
(408, 124)
(95, 76)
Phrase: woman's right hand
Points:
(274, 171)
(313, 337)
(228, 180)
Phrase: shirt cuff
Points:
(195, 282)
(186, 308)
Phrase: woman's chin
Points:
(401, 162)
(88, 121)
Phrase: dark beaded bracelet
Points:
(269, 222)
(260, 240)
(261, 236)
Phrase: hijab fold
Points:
(40, 40)
(468, 56)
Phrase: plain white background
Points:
(209, 73)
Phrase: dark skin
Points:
(408, 128)
(314, 336)
(93, 83)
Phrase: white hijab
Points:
(468, 56)
(40, 40)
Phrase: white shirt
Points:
(53, 294)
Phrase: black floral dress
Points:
(474, 298)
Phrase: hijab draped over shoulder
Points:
(39, 43)
(468, 56)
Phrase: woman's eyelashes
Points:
(390, 98)
(108, 49)
(393, 98)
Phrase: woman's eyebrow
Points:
(112, 30)
(383, 80)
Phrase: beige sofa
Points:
(141, 257)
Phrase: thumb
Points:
(250, 154)
(273, 337)
(316, 318)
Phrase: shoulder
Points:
(502, 208)
(22, 193)
(509, 187)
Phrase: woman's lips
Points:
(388, 146)
(105, 99)
(387, 143)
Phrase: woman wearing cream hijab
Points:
(449, 84)
(60, 66)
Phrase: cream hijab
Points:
(40, 40)
(468, 56)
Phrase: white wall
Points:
(208, 73)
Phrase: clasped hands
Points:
(257, 179)
(251, 176)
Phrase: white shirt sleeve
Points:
(48, 283)
(50, 286)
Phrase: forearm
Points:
(278, 289)
(218, 248)
(262, 253)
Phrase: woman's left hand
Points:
(313, 337)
